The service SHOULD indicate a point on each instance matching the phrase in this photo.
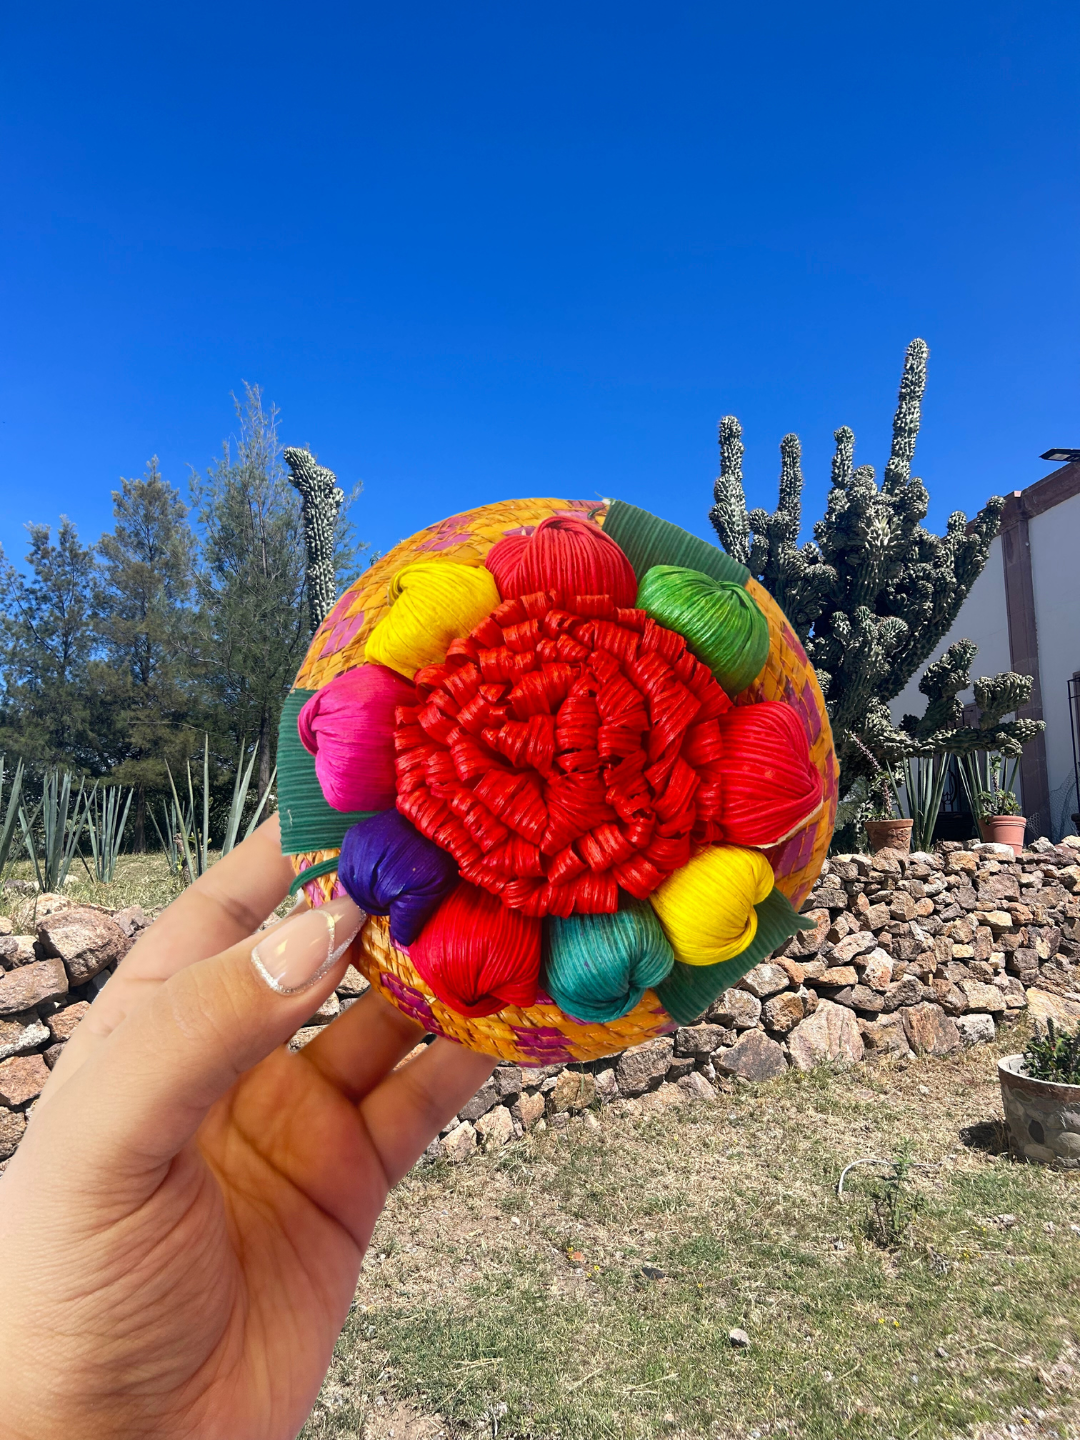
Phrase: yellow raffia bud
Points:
(707, 907)
(432, 602)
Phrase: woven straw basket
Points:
(543, 1034)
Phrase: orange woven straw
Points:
(543, 1034)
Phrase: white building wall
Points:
(983, 618)
(1055, 576)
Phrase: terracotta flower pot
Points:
(1043, 1117)
(888, 834)
(1004, 830)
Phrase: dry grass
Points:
(513, 1296)
(140, 880)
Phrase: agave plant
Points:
(184, 840)
(58, 825)
(924, 779)
(107, 813)
(241, 785)
(9, 812)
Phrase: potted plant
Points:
(885, 828)
(989, 783)
(1040, 1091)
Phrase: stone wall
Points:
(909, 952)
(919, 952)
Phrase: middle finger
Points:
(355, 1051)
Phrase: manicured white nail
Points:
(300, 952)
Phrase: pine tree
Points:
(49, 711)
(250, 581)
(144, 623)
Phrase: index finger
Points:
(226, 904)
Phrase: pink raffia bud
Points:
(348, 726)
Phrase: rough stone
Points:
(783, 1012)
(21, 1078)
(887, 862)
(12, 1125)
(863, 998)
(17, 950)
(1013, 990)
(861, 943)
(765, 979)
(961, 862)
(607, 1087)
(902, 907)
(753, 1057)
(735, 1009)
(507, 1081)
(697, 1087)
(981, 996)
(19, 1034)
(809, 942)
(459, 1144)
(327, 1011)
(30, 985)
(876, 917)
(929, 1030)
(830, 1034)
(700, 1039)
(643, 1066)
(304, 1036)
(839, 976)
(877, 972)
(998, 887)
(1023, 962)
(1043, 1006)
(495, 1128)
(833, 897)
(86, 940)
(949, 996)
(795, 972)
(132, 920)
(486, 1097)
(29, 913)
(885, 1038)
(529, 1108)
(905, 991)
(573, 1090)
(975, 1029)
(352, 984)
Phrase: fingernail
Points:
(299, 953)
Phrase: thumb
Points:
(143, 1095)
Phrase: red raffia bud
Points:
(565, 556)
(769, 784)
(477, 955)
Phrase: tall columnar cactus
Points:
(874, 592)
(320, 500)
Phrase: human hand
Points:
(183, 1224)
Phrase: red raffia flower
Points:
(562, 752)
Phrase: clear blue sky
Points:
(483, 250)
